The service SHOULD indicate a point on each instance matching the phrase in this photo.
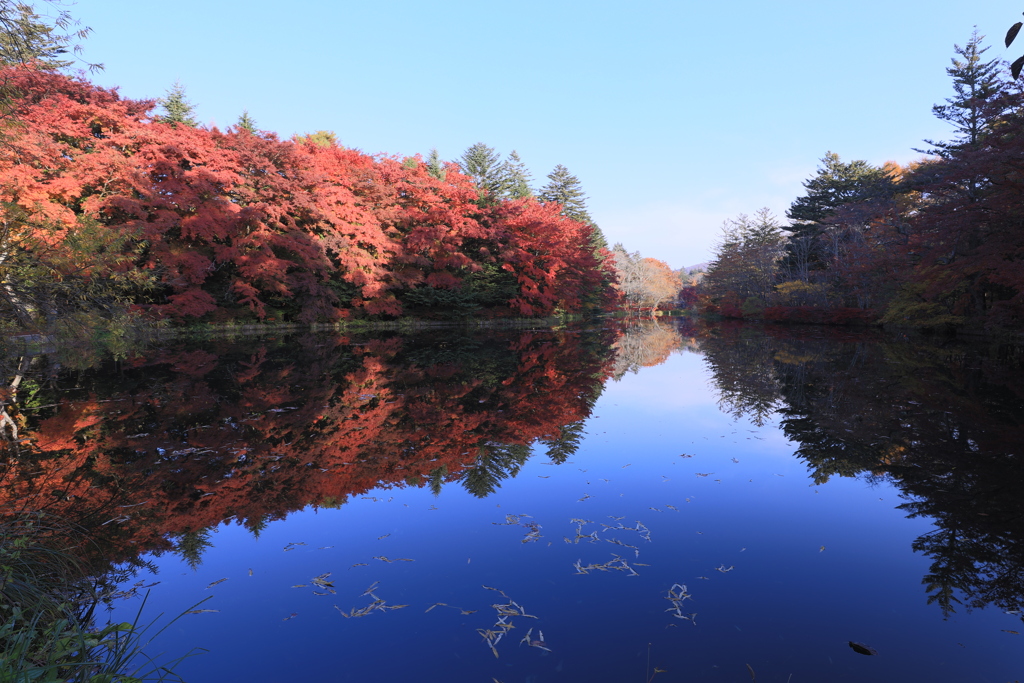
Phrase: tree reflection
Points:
(943, 422)
(154, 452)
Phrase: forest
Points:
(936, 243)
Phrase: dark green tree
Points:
(245, 122)
(974, 106)
(484, 165)
(179, 111)
(836, 183)
(517, 177)
(435, 166)
(565, 188)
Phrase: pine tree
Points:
(836, 183)
(179, 109)
(517, 177)
(435, 166)
(245, 122)
(483, 164)
(565, 188)
(974, 107)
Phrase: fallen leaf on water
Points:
(821, 549)
(216, 582)
(301, 585)
(1008, 631)
(863, 649)
(381, 538)
(250, 572)
(291, 616)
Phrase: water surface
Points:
(690, 504)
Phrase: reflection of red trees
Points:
(200, 439)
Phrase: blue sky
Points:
(674, 115)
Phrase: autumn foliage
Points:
(190, 438)
(228, 224)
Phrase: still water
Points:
(654, 503)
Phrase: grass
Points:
(48, 631)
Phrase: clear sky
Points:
(675, 115)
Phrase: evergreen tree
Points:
(179, 110)
(483, 164)
(974, 107)
(517, 177)
(836, 183)
(565, 188)
(245, 122)
(435, 166)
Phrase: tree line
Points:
(114, 209)
(936, 243)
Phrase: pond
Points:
(666, 502)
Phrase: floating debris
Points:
(215, 583)
(677, 597)
(291, 616)
(538, 642)
(617, 563)
(378, 605)
(722, 568)
(863, 649)
(506, 611)
(322, 580)
(703, 474)
(381, 538)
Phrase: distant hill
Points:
(700, 267)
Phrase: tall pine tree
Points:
(565, 188)
(973, 108)
(179, 111)
(245, 122)
(517, 177)
(435, 166)
(484, 165)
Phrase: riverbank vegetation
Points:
(936, 243)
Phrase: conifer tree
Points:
(974, 107)
(565, 188)
(435, 166)
(484, 166)
(179, 110)
(245, 122)
(836, 183)
(517, 177)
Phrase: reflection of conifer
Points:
(567, 442)
(191, 545)
(257, 525)
(494, 463)
(436, 481)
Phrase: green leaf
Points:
(1012, 33)
(1016, 66)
